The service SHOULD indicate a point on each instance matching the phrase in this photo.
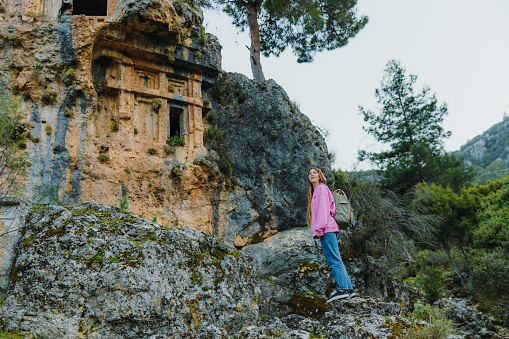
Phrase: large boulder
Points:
(294, 277)
(95, 271)
(272, 145)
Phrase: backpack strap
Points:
(341, 192)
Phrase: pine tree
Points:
(307, 26)
(412, 126)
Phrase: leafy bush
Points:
(114, 126)
(70, 76)
(211, 116)
(151, 151)
(225, 162)
(203, 37)
(49, 96)
(383, 222)
(493, 231)
(175, 140)
(491, 273)
(211, 134)
(69, 113)
(156, 104)
(439, 327)
(431, 281)
(12, 131)
(124, 203)
(103, 157)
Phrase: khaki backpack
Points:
(344, 212)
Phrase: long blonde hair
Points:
(321, 180)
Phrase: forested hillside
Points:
(488, 153)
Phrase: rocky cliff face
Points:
(115, 93)
(271, 146)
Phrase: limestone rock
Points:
(294, 277)
(272, 146)
(95, 271)
(356, 318)
(116, 96)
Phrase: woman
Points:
(320, 218)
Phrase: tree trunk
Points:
(252, 8)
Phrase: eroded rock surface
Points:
(272, 146)
(294, 277)
(96, 271)
(116, 96)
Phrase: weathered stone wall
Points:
(103, 93)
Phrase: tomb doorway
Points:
(90, 7)
(176, 120)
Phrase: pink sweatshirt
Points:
(322, 205)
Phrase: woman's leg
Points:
(331, 251)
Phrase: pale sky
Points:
(460, 48)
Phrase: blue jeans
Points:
(330, 249)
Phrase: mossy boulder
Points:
(91, 270)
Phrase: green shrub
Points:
(242, 97)
(30, 14)
(13, 335)
(197, 55)
(13, 163)
(491, 273)
(203, 37)
(114, 126)
(225, 162)
(156, 104)
(49, 96)
(151, 151)
(127, 170)
(439, 327)
(70, 76)
(32, 138)
(22, 144)
(175, 140)
(48, 129)
(124, 203)
(213, 135)
(431, 281)
(103, 157)
(211, 116)
(69, 113)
